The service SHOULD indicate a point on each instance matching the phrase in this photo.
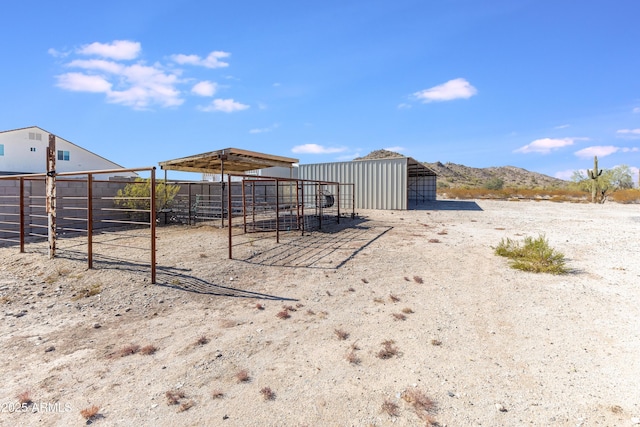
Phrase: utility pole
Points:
(50, 182)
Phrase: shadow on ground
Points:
(446, 205)
(330, 248)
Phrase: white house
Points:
(24, 151)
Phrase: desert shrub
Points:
(494, 184)
(534, 255)
(136, 195)
(630, 195)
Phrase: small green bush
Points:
(534, 255)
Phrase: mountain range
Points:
(454, 175)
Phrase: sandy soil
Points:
(488, 345)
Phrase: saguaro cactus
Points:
(594, 175)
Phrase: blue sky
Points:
(541, 84)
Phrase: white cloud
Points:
(98, 65)
(265, 130)
(211, 61)
(603, 150)
(79, 82)
(565, 174)
(205, 88)
(546, 145)
(316, 149)
(629, 133)
(453, 89)
(396, 149)
(225, 106)
(136, 84)
(118, 49)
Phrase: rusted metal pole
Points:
(51, 195)
(277, 211)
(21, 215)
(89, 221)
(222, 207)
(244, 207)
(153, 225)
(338, 197)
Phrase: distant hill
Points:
(455, 175)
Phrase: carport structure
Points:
(265, 203)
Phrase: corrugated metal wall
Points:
(379, 184)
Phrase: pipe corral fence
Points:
(82, 205)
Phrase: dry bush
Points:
(92, 290)
(90, 413)
(148, 350)
(242, 376)
(399, 316)
(174, 396)
(284, 314)
(267, 393)
(352, 358)
(407, 310)
(128, 350)
(217, 394)
(202, 340)
(418, 280)
(388, 350)
(422, 404)
(342, 335)
(631, 195)
(186, 406)
(24, 398)
(390, 408)
(394, 298)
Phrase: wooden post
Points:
(51, 194)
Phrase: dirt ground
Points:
(394, 318)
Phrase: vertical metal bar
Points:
(244, 207)
(304, 224)
(319, 198)
(153, 224)
(89, 221)
(230, 235)
(21, 215)
(338, 197)
(222, 189)
(253, 205)
(277, 211)
(51, 195)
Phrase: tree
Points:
(616, 178)
(136, 195)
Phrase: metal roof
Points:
(228, 160)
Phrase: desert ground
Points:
(394, 318)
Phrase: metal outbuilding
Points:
(390, 183)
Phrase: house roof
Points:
(67, 141)
(228, 160)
